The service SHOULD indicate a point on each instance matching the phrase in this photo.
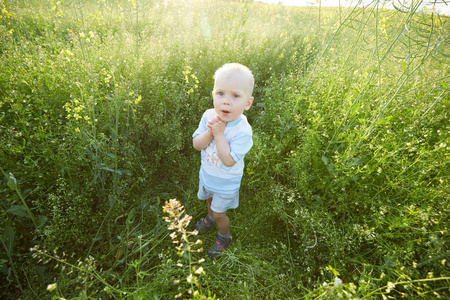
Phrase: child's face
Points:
(231, 95)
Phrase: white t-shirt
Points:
(214, 175)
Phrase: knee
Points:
(219, 216)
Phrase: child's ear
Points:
(249, 103)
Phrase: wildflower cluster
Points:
(178, 222)
(76, 110)
(384, 24)
(87, 36)
(77, 269)
(191, 80)
(134, 101)
(5, 19)
(337, 288)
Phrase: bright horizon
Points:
(441, 6)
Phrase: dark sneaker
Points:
(219, 246)
(203, 226)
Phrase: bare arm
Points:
(223, 148)
(202, 141)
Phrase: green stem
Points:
(12, 264)
(14, 186)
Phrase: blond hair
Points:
(239, 68)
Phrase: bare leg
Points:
(210, 212)
(223, 222)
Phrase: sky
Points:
(442, 6)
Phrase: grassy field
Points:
(345, 192)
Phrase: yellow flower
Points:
(77, 129)
(138, 99)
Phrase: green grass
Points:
(345, 192)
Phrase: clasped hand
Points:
(216, 125)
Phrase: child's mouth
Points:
(225, 112)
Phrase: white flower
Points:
(337, 282)
(51, 287)
(390, 286)
(189, 278)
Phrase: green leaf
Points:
(127, 172)
(41, 221)
(359, 161)
(19, 210)
(130, 218)
(330, 165)
(111, 155)
(384, 121)
(98, 238)
(120, 172)
(114, 171)
(330, 168)
(106, 169)
(12, 182)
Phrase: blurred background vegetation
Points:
(345, 192)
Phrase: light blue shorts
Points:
(220, 202)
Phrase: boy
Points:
(224, 137)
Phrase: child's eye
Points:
(220, 93)
(236, 96)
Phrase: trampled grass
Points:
(345, 193)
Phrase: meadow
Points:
(346, 189)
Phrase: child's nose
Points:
(226, 100)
